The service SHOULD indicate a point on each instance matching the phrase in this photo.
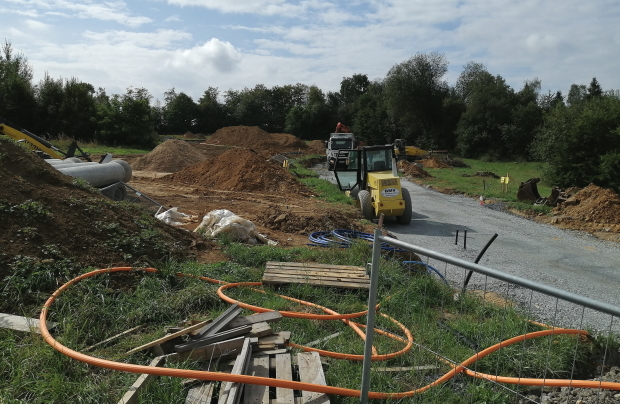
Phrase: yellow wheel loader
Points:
(368, 174)
(40, 146)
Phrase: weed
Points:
(28, 210)
(84, 185)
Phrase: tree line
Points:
(480, 116)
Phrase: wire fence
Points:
(500, 339)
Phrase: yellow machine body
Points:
(33, 142)
(386, 193)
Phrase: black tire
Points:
(366, 205)
(405, 218)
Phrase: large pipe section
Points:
(99, 175)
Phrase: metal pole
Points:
(370, 321)
(456, 241)
(465, 239)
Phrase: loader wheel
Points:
(367, 210)
(405, 218)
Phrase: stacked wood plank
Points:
(239, 345)
(339, 276)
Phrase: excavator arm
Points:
(38, 145)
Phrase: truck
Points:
(342, 139)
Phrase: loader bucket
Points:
(528, 191)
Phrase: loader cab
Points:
(353, 166)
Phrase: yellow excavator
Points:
(368, 175)
(40, 146)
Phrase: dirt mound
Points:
(169, 157)
(240, 170)
(317, 146)
(592, 204)
(434, 163)
(413, 170)
(254, 137)
(53, 229)
(276, 218)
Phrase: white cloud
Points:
(88, 9)
(262, 7)
(34, 25)
(160, 39)
(221, 55)
(173, 18)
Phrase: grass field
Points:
(102, 306)
(465, 181)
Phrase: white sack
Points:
(224, 221)
(172, 217)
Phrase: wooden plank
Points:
(267, 316)
(232, 391)
(211, 339)
(132, 395)
(255, 394)
(278, 338)
(25, 324)
(405, 368)
(326, 277)
(302, 279)
(230, 347)
(318, 341)
(200, 391)
(284, 371)
(276, 264)
(267, 352)
(220, 322)
(167, 337)
(106, 341)
(312, 271)
(311, 371)
(260, 330)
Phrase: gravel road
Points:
(572, 261)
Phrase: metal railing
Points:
(531, 306)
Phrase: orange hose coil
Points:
(263, 381)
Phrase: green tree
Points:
(594, 89)
(50, 96)
(489, 104)
(581, 143)
(125, 119)
(211, 113)
(180, 113)
(576, 94)
(78, 110)
(312, 119)
(17, 100)
(415, 92)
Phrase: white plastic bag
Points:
(173, 217)
(224, 221)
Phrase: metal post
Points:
(465, 239)
(370, 321)
(456, 241)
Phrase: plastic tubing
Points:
(264, 381)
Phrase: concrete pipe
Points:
(100, 175)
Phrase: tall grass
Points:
(102, 306)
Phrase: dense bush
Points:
(581, 143)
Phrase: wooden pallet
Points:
(305, 367)
(340, 276)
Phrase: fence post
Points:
(370, 322)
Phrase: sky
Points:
(191, 45)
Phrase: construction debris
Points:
(19, 323)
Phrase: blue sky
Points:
(231, 44)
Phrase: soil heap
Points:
(255, 137)
(240, 170)
(434, 163)
(592, 204)
(169, 157)
(413, 170)
(316, 147)
(52, 230)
